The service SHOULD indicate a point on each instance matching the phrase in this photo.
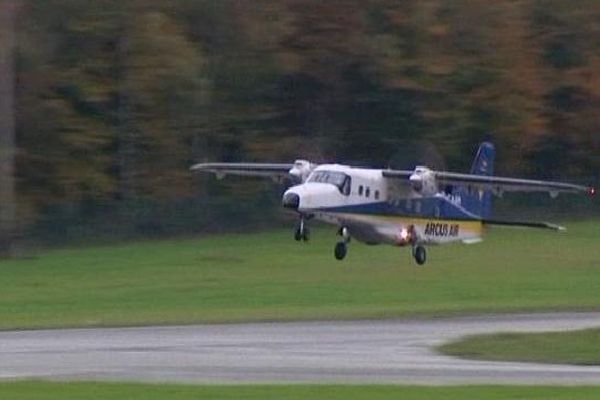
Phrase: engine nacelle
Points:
(423, 181)
(302, 169)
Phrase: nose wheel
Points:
(302, 233)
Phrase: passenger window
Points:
(368, 192)
(377, 195)
(360, 190)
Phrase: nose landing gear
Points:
(302, 232)
(341, 248)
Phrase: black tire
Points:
(420, 255)
(340, 251)
(305, 234)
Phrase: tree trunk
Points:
(125, 129)
(7, 126)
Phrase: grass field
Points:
(268, 276)
(100, 391)
(576, 347)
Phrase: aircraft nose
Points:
(291, 200)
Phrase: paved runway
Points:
(397, 351)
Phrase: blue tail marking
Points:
(480, 202)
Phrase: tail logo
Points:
(484, 167)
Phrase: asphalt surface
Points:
(397, 351)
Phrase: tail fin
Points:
(484, 160)
(480, 202)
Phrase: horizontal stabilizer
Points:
(523, 224)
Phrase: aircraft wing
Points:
(496, 184)
(499, 185)
(396, 173)
(297, 171)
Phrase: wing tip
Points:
(201, 167)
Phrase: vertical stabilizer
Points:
(479, 202)
(484, 160)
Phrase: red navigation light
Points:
(592, 191)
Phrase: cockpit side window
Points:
(338, 179)
(346, 186)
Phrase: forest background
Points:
(106, 104)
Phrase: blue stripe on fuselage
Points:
(430, 207)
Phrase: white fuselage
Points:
(378, 210)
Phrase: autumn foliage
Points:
(116, 99)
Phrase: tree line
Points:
(114, 100)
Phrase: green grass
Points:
(575, 347)
(268, 276)
(110, 391)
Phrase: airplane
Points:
(403, 208)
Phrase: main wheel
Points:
(420, 255)
(305, 234)
(340, 250)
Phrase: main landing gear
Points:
(341, 248)
(302, 232)
(420, 254)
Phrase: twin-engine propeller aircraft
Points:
(402, 208)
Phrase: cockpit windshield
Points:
(338, 179)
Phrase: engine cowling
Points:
(302, 169)
(423, 181)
